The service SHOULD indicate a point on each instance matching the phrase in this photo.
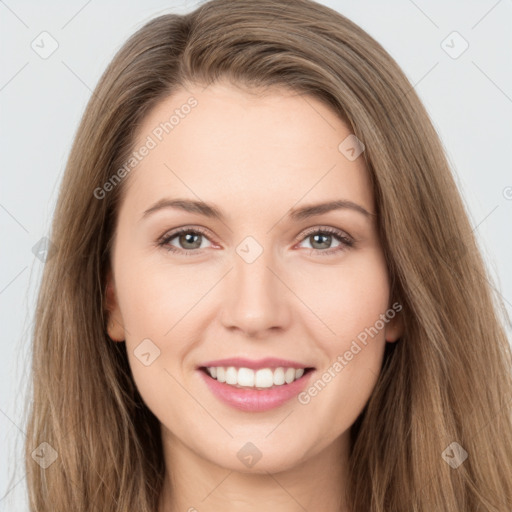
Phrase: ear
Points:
(115, 325)
(395, 327)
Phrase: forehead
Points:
(224, 144)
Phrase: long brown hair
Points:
(447, 380)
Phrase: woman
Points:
(191, 353)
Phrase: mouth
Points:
(255, 386)
(248, 378)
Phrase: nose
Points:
(256, 300)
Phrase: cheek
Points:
(163, 315)
(339, 393)
(347, 299)
(154, 297)
(354, 306)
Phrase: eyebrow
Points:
(298, 214)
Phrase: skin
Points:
(255, 156)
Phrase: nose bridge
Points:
(256, 299)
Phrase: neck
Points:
(195, 484)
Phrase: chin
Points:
(259, 456)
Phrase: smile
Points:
(249, 378)
(255, 386)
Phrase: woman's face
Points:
(262, 285)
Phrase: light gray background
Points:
(41, 101)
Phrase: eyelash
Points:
(346, 242)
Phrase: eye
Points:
(189, 240)
(321, 240)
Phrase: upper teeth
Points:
(263, 378)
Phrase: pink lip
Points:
(254, 400)
(267, 362)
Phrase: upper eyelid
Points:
(328, 229)
(184, 229)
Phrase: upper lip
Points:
(254, 364)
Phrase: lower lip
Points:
(255, 400)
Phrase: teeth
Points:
(263, 378)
